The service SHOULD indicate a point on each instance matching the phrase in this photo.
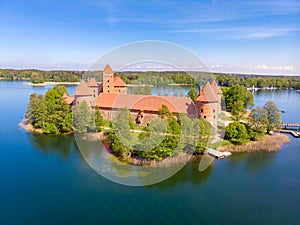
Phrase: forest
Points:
(157, 78)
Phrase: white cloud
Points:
(257, 69)
(244, 32)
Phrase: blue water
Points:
(44, 180)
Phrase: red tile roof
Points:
(201, 97)
(215, 87)
(207, 94)
(92, 82)
(107, 69)
(82, 89)
(118, 82)
(146, 102)
(69, 100)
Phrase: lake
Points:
(44, 179)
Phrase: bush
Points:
(236, 132)
(50, 128)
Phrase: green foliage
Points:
(158, 78)
(193, 93)
(50, 128)
(173, 127)
(39, 76)
(205, 130)
(117, 146)
(273, 115)
(164, 111)
(236, 132)
(258, 119)
(36, 78)
(99, 122)
(237, 100)
(50, 112)
(83, 120)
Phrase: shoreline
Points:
(267, 143)
(139, 85)
(50, 83)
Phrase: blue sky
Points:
(231, 36)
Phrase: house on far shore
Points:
(111, 95)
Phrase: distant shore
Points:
(139, 85)
(51, 82)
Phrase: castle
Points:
(111, 95)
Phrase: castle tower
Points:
(107, 79)
(93, 87)
(218, 93)
(207, 104)
(83, 93)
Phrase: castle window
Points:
(119, 90)
(107, 90)
(201, 110)
(214, 117)
(214, 110)
(204, 117)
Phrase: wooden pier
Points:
(290, 125)
(218, 154)
(292, 132)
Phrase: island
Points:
(140, 128)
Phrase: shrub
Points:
(236, 132)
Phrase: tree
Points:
(36, 112)
(82, 118)
(205, 130)
(164, 111)
(117, 146)
(237, 100)
(98, 119)
(273, 116)
(236, 132)
(193, 94)
(258, 119)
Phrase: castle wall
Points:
(208, 111)
(121, 90)
(88, 99)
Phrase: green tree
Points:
(82, 118)
(164, 111)
(118, 147)
(273, 116)
(236, 132)
(193, 94)
(99, 122)
(237, 100)
(258, 119)
(205, 130)
(36, 112)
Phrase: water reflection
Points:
(53, 144)
(253, 162)
(187, 175)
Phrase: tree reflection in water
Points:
(53, 144)
(188, 174)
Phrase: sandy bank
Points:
(28, 127)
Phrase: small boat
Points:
(283, 111)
